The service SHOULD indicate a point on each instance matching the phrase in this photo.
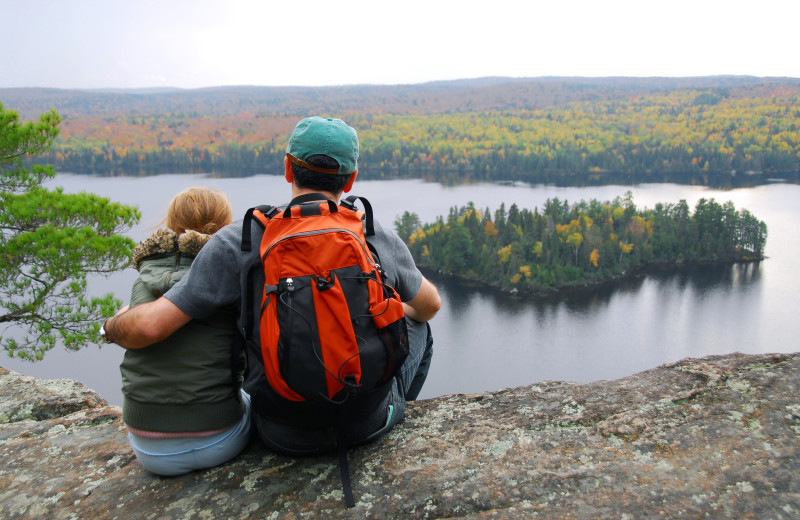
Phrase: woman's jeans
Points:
(179, 455)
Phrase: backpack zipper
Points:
(322, 232)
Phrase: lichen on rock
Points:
(716, 437)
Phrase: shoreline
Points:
(564, 290)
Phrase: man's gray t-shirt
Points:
(218, 275)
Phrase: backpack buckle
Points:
(349, 203)
(324, 283)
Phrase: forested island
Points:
(567, 245)
(569, 131)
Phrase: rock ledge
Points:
(716, 437)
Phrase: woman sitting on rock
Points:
(183, 406)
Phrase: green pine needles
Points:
(50, 242)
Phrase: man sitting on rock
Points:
(322, 157)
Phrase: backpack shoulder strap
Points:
(247, 302)
(350, 203)
(267, 210)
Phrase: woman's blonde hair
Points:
(200, 209)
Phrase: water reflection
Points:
(703, 278)
(696, 279)
(717, 181)
(465, 177)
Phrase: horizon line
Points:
(442, 81)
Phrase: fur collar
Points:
(167, 241)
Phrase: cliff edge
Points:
(716, 437)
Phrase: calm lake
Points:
(485, 340)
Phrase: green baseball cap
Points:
(331, 137)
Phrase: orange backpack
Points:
(330, 328)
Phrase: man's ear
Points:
(287, 170)
(350, 181)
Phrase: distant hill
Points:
(551, 129)
(468, 95)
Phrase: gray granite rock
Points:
(711, 438)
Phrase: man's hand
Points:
(145, 324)
(425, 304)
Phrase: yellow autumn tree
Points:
(594, 257)
(504, 254)
(575, 240)
(624, 249)
(491, 229)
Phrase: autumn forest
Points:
(535, 131)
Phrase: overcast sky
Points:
(204, 43)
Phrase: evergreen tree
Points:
(407, 224)
(49, 242)
(586, 242)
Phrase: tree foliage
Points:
(50, 242)
(587, 242)
(675, 133)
